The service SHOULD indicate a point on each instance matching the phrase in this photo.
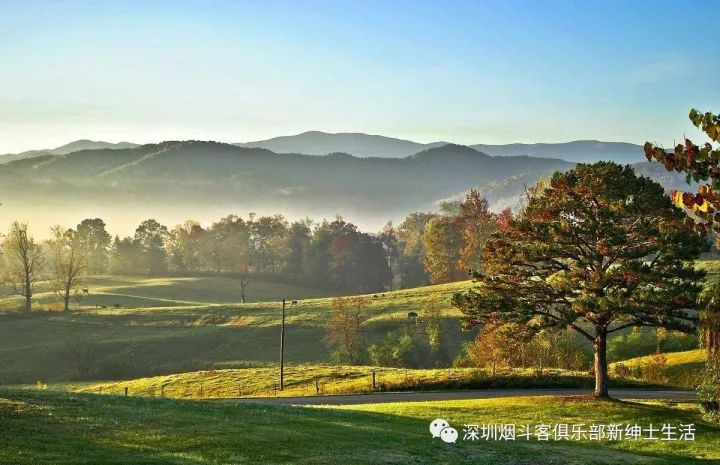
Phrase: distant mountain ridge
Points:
(194, 178)
(579, 151)
(366, 145)
(75, 146)
(354, 143)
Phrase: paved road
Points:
(378, 398)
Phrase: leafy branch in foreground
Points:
(701, 163)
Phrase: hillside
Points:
(681, 370)
(163, 327)
(125, 186)
(42, 427)
(134, 291)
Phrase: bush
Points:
(709, 391)
(654, 370)
(622, 370)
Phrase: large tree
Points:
(95, 243)
(597, 250)
(477, 224)
(150, 238)
(24, 261)
(442, 242)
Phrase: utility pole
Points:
(282, 348)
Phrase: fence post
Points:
(201, 393)
(239, 390)
(126, 390)
(317, 387)
(162, 390)
(373, 375)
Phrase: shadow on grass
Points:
(43, 427)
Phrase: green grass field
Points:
(184, 334)
(43, 427)
(138, 292)
(305, 380)
(681, 370)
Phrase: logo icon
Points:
(440, 428)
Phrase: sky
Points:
(460, 71)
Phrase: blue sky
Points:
(467, 72)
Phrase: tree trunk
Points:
(28, 293)
(66, 299)
(601, 372)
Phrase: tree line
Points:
(427, 247)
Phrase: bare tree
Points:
(68, 260)
(25, 261)
(82, 353)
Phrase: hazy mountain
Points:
(579, 151)
(364, 145)
(75, 146)
(357, 144)
(175, 181)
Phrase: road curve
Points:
(385, 397)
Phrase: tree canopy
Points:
(597, 250)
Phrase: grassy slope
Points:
(681, 370)
(187, 337)
(303, 380)
(51, 428)
(138, 292)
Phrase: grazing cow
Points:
(412, 315)
(86, 291)
(116, 305)
(375, 296)
(294, 302)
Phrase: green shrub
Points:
(709, 391)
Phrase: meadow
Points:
(60, 428)
(169, 325)
(311, 380)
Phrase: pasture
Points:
(84, 429)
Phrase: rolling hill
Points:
(174, 325)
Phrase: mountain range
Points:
(367, 145)
(175, 181)
(178, 180)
